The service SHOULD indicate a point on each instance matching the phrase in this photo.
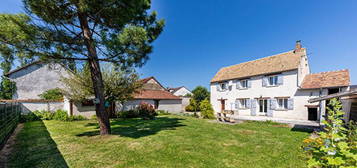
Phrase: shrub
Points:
(61, 115)
(93, 117)
(193, 106)
(28, 117)
(76, 118)
(52, 94)
(206, 109)
(146, 111)
(128, 114)
(336, 145)
(43, 114)
(162, 112)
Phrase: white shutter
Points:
(264, 81)
(236, 104)
(249, 83)
(273, 104)
(280, 79)
(248, 103)
(239, 85)
(290, 104)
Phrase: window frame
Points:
(243, 101)
(244, 81)
(223, 84)
(275, 80)
(284, 103)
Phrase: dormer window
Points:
(244, 83)
(273, 80)
(223, 86)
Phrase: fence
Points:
(9, 118)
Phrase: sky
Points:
(202, 36)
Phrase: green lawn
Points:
(168, 141)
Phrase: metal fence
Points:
(9, 118)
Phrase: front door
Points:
(263, 106)
(223, 105)
(312, 114)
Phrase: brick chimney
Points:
(298, 46)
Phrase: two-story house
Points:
(275, 87)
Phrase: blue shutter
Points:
(264, 81)
(280, 79)
(270, 111)
(290, 104)
(253, 107)
(249, 83)
(218, 87)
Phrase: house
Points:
(37, 77)
(184, 93)
(155, 94)
(180, 91)
(276, 87)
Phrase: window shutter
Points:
(290, 104)
(236, 104)
(218, 87)
(264, 81)
(270, 111)
(273, 104)
(239, 85)
(253, 108)
(248, 103)
(280, 79)
(249, 83)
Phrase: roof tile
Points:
(326, 79)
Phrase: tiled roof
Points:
(326, 79)
(267, 65)
(23, 67)
(155, 94)
(29, 100)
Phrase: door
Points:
(223, 105)
(263, 106)
(312, 116)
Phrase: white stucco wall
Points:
(172, 106)
(289, 88)
(86, 111)
(37, 78)
(33, 106)
(182, 92)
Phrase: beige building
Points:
(277, 87)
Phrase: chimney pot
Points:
(298, 46)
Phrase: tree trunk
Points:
(102, 115)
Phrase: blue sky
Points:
(202, 36)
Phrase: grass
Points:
(168, 141)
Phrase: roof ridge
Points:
(329, 71)
(260, 58)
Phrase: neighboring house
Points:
(275, 87)
(35, 78)
(180, 91)
(155, 94)
(183, 92)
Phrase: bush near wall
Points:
(60, 115)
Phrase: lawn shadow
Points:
(137, 128)
(34, 147)
(304, 128)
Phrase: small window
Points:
(244, 83)
(243, 103)
(87, 103)
(273, 80)
(283, 104)
(223, 86)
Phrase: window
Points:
(223, 86)
(283, 104)
(244, 83)
(242, 103)
(87, 103)
(273, 80)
